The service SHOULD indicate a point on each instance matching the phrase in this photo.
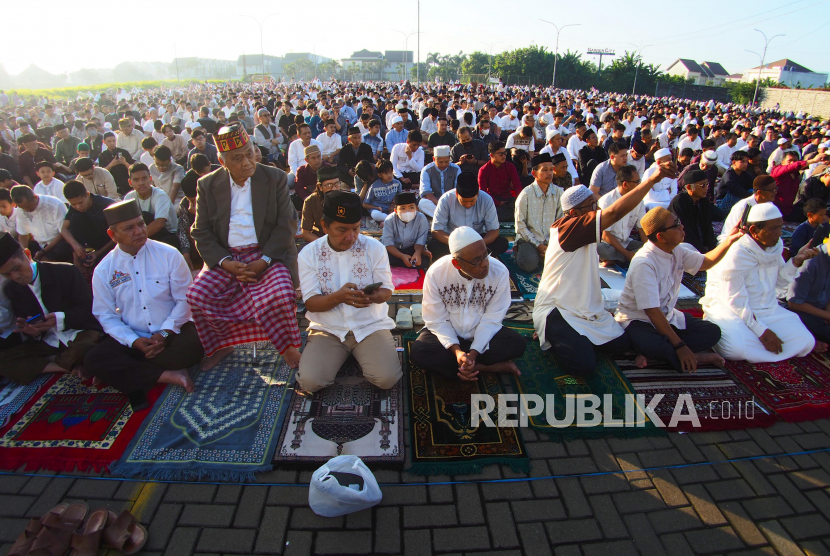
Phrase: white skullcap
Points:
(396, 119)
(195, 125)
(188, 124)
(590, 116)
(710, 156)
(107, 125)
(551, 133)
(514, 113)
(763, 212)
(673, 116)
(440, 151)
(462, 237)
(782, 141)
(826, 145)
(661, 153)
(573, 196)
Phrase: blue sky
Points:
(707, 30)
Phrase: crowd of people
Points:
(144, 232)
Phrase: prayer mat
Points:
(527, 282)
(71, 425)
(442, 437)
(717, 227)
(543, 375)
(226, 430)
(13, 396)
(696, 284)
(787, 230)
(720, 402)
(408, 281)
(369, 227)
(797, 389)
(350, 417)
(614, 278)
(507, 229)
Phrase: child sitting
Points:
(381, 197)
(149, 145)
(48, 184)
(8, 216)
(816, 212)
(405, 233)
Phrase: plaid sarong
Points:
(228, 312)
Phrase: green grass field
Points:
(72, 92)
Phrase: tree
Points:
(475, 63)
(332, 67)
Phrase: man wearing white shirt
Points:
(408, 160)
(666, 188)
(58, 293)
(129, 138)
(575, 142)
(41, 216)
(139, 291)
(159, 213)
(346, 316)
(616, 244)
(296, 150)
(330, 143)
(429, 124)
(48, 184)
(554, 147)
(691, 140)
(466, 297)
(724, 153)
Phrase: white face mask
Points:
(408, 216)
(484, 132)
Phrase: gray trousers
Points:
(607, 253)
(526, 255)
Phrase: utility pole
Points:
(261, 49)
(763, 60)
(556, 52)
(418, 58)
(639, 51)
(175, 53)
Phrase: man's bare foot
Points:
(709, 358)
(81, 373)
(821, 347)
(607, 264)
(53, 368)
(503, 367)
(178, 378)
(211, 361)
(641, 361)
(292, 357)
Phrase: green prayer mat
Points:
(542, 374)
(442, 440)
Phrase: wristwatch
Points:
(267, 259)
(164, 334)
(682, 344)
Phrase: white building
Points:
(783, 71)
(705, 73)
(395, 62)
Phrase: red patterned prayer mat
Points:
(71, 425)
(408, 281)
(797, 389)
(720, 402)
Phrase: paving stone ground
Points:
(771, 505)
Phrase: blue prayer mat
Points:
(227, 430)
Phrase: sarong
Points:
(228, 312)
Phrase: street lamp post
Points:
(763, 60)
(490, 64)
(405, 45)
(639, 52)
(261, 49)
(556, 52)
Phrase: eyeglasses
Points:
(676, 225)
(478, 260)
(773, 190)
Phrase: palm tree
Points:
(402, 70)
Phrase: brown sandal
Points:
(58, 526)
(124, 533)
(23, 543)
(88, 541)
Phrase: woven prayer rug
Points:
(408, 281)
(797, 389)
(350, 417)
(226, 430)
(507, 229)
(369, 227)
(71, 425)
(13, 396)
(542, 375)
(527, 282)
(442, 438)
(720, 402)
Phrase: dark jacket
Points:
(63, 290)
(696, 219)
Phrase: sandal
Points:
(88, 541)
(23, 543)
(124, 533)
(58, 526)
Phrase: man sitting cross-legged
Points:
(344, 316)
(652, 284)
(244, 231)
(569, 314)
(742, 294)
(466, 297)
(57, 293)
(139, 298)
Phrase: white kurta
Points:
(741, 299)
(323, 271)
(570, 282)
(622, 228)
(136, 296)
(45, 222)
(456, 308)
(663, 191)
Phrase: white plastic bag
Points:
(328, 498)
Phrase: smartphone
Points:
(372, 288)
(745, 217)
(35, 319)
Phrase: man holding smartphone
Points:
(346, 280)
